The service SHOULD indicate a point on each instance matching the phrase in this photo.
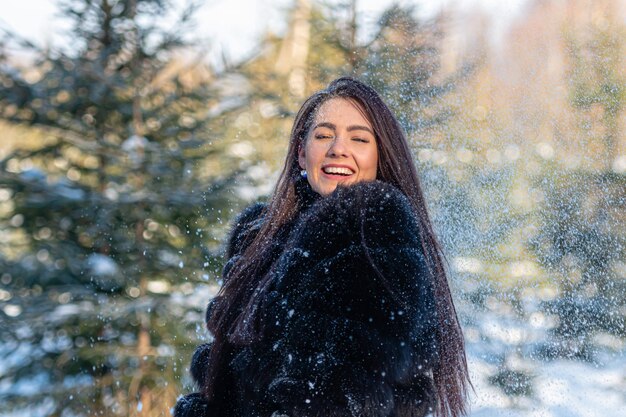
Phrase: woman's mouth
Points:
(337, 173)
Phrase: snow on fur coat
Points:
(350, 317)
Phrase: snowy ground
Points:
(498, 339)
(561, 388)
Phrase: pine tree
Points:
(108, 222)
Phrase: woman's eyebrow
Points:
(359, 127)
(350, 128)
(326, 124)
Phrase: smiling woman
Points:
(341, 147)
(335, 300)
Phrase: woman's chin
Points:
(325, 189)
(329, 187)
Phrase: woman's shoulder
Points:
(376, 211)
(244, 226)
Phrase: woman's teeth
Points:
(338, 170)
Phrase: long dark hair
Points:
(230, 324)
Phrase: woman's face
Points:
(340, 147)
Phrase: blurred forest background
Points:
(123, 160)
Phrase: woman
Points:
(335, 300)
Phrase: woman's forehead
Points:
(341, 108)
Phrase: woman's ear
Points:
(301, 157)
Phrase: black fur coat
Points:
(350, 318)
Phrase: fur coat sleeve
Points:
(353, 310)
(242, 232)
(244, 229)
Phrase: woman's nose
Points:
(338, 147)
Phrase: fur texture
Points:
(350, 320)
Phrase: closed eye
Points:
(361, 140)
(323, 137)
